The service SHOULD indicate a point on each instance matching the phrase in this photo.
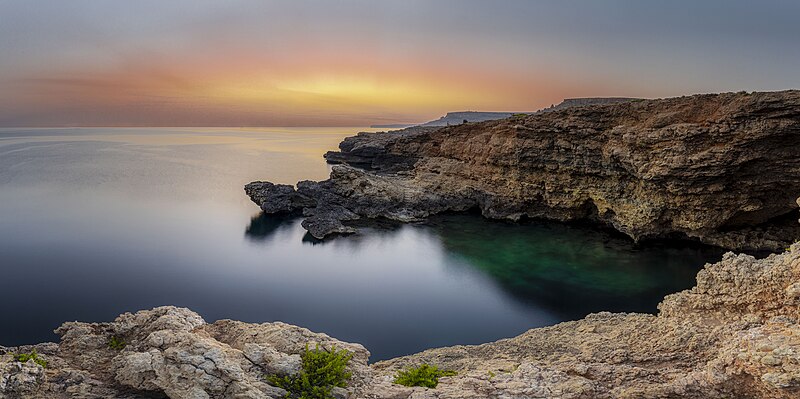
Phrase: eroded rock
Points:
(168, 352)
(723, 169)
(734, 335)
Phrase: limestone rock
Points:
(723, 169)
(169, 352)
(20, 379)
(736, 334)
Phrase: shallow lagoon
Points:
(95, 222)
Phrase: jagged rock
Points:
(18, 378)
(734, 335)
(169, 352)
(277, 198)
(723, 169)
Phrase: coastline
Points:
(693, 167)
(735, 334)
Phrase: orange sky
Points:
(355, 63)
(297, 89)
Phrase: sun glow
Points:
(345, 93)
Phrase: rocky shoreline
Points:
(734, 335)
(722, 169)
(717, 168)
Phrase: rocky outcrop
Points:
(168, 352)
(736, 334)
(723, 169)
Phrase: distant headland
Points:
(459, 117)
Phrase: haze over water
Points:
(96, 222)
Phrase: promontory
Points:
(723, 169)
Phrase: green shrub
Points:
(322, 370)
(422, 376)
(24, 357)
(520, 115)
(116, 343)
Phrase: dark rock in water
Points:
(277, 198)
(723, 169)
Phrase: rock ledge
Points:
(723, 169)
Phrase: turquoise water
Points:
(95, 222)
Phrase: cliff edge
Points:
(723, 169)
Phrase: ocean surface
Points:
(96, 222)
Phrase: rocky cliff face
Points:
(723, 169)
(736, 334)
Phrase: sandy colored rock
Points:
(169, 352)
(734, 335)
(720, 168)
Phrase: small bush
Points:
(24, 357)
(322, 370)
(116, 343)
(519, 115)
(422, 376)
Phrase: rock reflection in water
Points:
(571, 270)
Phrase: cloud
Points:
(351, 62)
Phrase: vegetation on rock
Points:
(116, 343)
(424, 375)
(322, 370)
(24, 357)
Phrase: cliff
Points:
(734, 335)
(722, 169)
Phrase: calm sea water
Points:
(95, 222)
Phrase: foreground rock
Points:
(723, 169)
(735, 335)
(169, 352)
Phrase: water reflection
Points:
(103, 221)
(569, 269)
(262, 226)
(573, 269)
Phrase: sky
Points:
(356, 63)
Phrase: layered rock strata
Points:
(722, 168)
